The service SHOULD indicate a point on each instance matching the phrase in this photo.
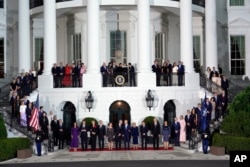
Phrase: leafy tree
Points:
(3, 131)
(236, 123)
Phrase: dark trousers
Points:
(177, 139)
(55, 138)
(39, 148)
(118, 142)
(205, 145)
(84, 142)
(61, 143)
(126, 144)
(101, 142)
(180, 79)
(188, 132)
(93, 142)
(156, 142)
(144, 142)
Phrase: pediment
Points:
(239, 22)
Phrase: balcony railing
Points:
(36, 3)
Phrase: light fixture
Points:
(150, 99)
(89, 100)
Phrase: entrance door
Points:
(119, 110)
(69, 117)
(169, 112)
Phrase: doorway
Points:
(69, 117)
(119, 110)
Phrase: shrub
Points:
(149, 121)
(231, 143)
(237, 124)
(241, 101)
(9, 147)
(3, 131)
(88, 120)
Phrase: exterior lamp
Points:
(150, 99)
(89, 100)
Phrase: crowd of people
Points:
(172, 75)
(111, 71)
(68, 75)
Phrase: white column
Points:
(49, 35)
(186, 35)
(144, 36)
(186, 48)
(211, 34)
(24, 36)
(93, 76)
(46, 80)
(93, 37)
(146, 78)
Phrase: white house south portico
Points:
(141, 21)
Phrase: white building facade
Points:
(37, 34)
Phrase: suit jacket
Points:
(118, 130)
(83, 130)
(144, 131)
(54, 126)
(101, 131)
(177, 127)
(156, 130)
(61, 131)
(189, 120)
(127, 132)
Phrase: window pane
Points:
(118, 46)
(237, 3)
(237, 44)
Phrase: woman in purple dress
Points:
(74, 137)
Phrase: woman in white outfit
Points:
(22, 110)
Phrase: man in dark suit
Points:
(180, 73)
(101, 133)
(84, 136)
(118, 135)
(131, 74)
(144, 135)
(55, 76)
(189, 121)
(54, 124)
(75, 75)
(104, 72)
(126, 134)
(177, 128)
(157, 70)
(61, 131)
(60, 74)
(156, 131)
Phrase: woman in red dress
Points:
(67, 76)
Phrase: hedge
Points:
(231, 143)
(3, 130)
(9, 147)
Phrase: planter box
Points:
(216, 150)
(24, 153)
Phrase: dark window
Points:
(1, 3)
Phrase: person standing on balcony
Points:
(104, 72)
(180, 73)
(157, 70)
(82, 71)
(131, 69)
(169, 73)
(55, 75)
